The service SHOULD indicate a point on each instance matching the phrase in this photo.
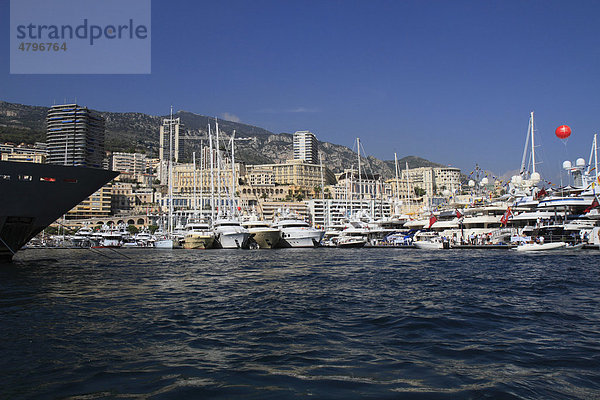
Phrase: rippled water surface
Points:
(326, 323)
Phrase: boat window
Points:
(5, 177)
(46, 179)
(28, 178)
(70, 180)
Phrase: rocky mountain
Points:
(139, 132)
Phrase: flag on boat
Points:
(507, 214)
(458, 214)
(541, 194)
(432, 220)
(594, 204)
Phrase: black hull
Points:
(32, 196)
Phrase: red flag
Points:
(508, 213)
(592, 206)
(541, 194)
(458, 214)
(432, 220)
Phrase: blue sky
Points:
(450, 81)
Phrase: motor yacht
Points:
(297, 233)
(198, 235)
(230, 234)
(261, 233)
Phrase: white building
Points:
(432, 180)
(132, 163)
(329, 212)
(306, 147)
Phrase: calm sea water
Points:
(322, 323)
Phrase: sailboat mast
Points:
(195, 183)
(407, 188)
(170, 178)
(219, 206)
(212, 176)
(322, 189)
(233, 204)
(359, 176)
(201, 178)
(532, 146)
(594, 155)
(351, 189)
(524, 159)
(396, 171)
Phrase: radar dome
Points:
(485, 181)
(535, 178)
(580, 162)
(567, 164)
(471, 183)
(518, 179)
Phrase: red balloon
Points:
(563, 132)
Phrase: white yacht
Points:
(297, 233)
(354, 234)
(144, 239)
(163, 240)
(198, 235)
(229, 234)
(541, 246)
(110, 239)
(428, 241)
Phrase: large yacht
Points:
(198, 236)
(229, 233)
(35, 195)
(265, 236)
(297, 233)
(354, 234)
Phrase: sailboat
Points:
(168, 241)
(198, 233)
(229, 233)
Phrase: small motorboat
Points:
(429, 244)
(541, 246)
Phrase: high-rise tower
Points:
(175, 127)
(305, 147)
(75, 136)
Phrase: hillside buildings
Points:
(432, 180)
(75, 136)
(134, 164)
(24, 153)
(293, 172)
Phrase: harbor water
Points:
(295, 323)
